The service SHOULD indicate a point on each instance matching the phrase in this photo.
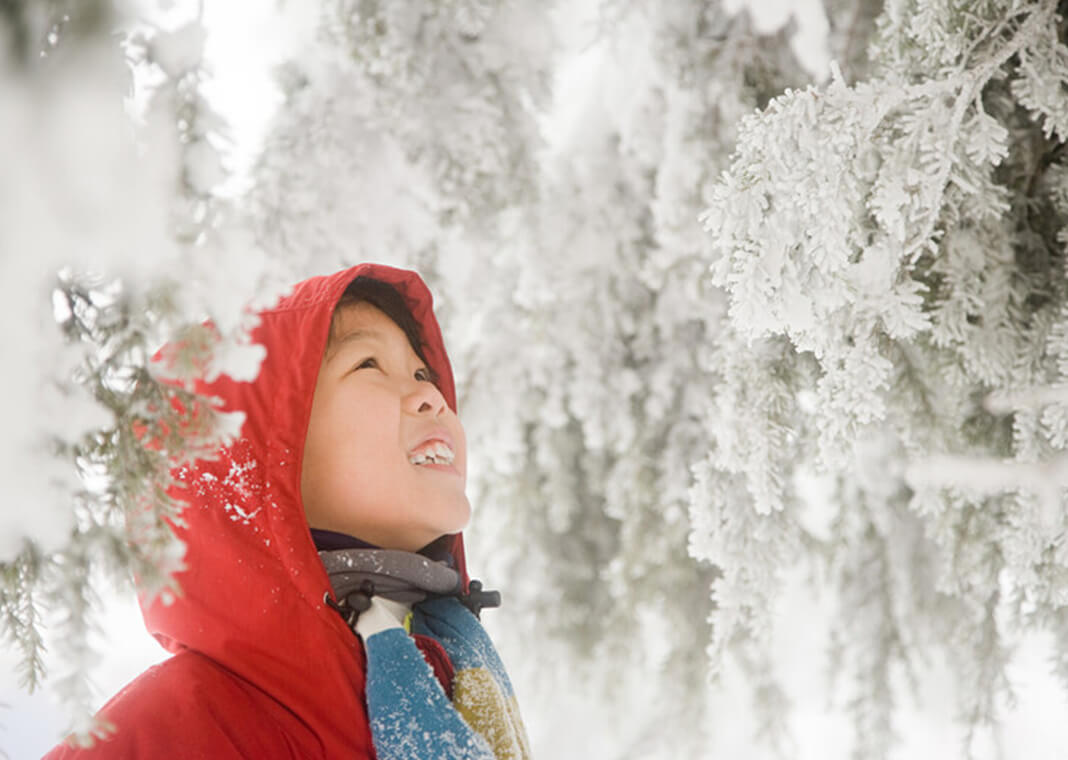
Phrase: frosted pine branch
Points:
(986, 477)
(974, 77)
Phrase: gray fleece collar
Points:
(398, 575)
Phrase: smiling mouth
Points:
(433, 452)
(440, 466)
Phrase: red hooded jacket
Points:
(262, 666)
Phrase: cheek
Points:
(461, 436)
(342, 434)
(362, 429)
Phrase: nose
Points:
(424, 398)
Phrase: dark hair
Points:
(386, 299)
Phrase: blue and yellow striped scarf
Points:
(411, 716)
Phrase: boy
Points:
(325, 609)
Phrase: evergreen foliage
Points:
(893, 251)
(597, 387)
(89, 488)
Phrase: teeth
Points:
(437, 453)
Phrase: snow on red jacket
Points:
(262, 667)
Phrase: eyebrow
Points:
(349, 337)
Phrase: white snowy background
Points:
(245, 42)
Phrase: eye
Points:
(423, 374)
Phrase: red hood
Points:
(252, 594)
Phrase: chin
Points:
(457, 516)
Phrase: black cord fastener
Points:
(475, 598)
(359, 600)
(352, 605)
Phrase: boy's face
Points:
(373, 406)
